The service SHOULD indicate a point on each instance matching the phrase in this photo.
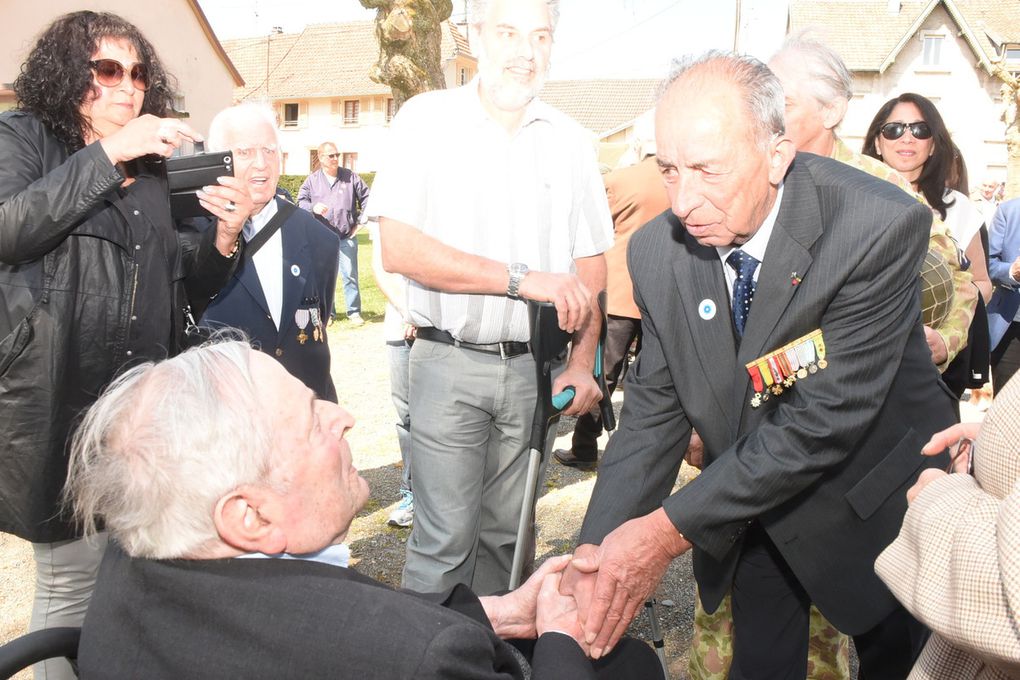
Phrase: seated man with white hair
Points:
(220, 454)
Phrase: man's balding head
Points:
(720, 145)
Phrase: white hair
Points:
(234, 117)
(478, 9)
(763, 92)
(828, 78)
(163, 444)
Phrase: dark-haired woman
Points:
(909, 135)
(94, 276)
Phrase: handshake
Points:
(594, 594)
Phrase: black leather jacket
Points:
(93, 278)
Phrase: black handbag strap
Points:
(283, 211)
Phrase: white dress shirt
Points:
(268, 260)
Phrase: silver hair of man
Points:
(763, 92)
(828, 77)
(477, 9)
(163, 444)
(235, 116)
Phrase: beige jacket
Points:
(956, 562)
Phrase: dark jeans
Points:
(620, 333)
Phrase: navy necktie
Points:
(743, 286)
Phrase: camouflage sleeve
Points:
(956, 326)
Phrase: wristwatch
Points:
(517, 271)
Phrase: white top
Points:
(393, 322)
(755, 246)
(962, 218)
(268, 260)
(534, 196)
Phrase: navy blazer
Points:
(310, 257)
(1003, 249)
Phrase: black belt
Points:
(505, 350)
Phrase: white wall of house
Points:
(966, 96)
(205, 83)
(322, 120)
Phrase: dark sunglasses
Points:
(919, 130)
(110, 73)
(332, 155)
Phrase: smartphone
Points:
(187, 174)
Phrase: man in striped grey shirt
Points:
(488, 197)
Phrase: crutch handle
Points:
(561, 400)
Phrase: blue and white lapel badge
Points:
(295, 270)
(707, 309)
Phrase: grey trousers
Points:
(472, 416)
(399, 354)
(65, 574)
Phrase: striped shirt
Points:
(534, 197)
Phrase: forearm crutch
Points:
(548, 344)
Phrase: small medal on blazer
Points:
(779, 370)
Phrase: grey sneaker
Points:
(403, 514)
(356, 319)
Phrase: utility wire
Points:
(589, 48)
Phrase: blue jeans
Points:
(349, 274)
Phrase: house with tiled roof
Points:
(945, 50)
(179, 30)
(317, 82)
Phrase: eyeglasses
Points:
(965, 450)
(919, 130)
(332, 156)
(249, 153)
(110, 73)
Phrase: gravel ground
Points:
(362, 379)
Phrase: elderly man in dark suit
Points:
(219, 454)
(282, 291)
(781, 319)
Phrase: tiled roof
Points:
(868, 36)
(324, 60)
(601, 105)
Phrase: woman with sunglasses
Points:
(909, 135)
(94, 274)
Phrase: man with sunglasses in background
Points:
(336, 197)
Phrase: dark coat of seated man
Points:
(219, 453)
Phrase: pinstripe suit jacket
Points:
(824, 466)
(956, 562)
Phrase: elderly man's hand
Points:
(231, 204)
(695, 455)
(629, 563)
(566, 291)
(320, 209)
(514, 615)
(936, 345)
(1014, 270)
(558, 612)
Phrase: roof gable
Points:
(984, 25)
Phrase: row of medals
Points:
(302, 317)
(785, 366)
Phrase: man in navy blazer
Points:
(1004, 270)
(282, 291)
(228, 490)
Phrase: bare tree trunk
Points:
(1010, 92)
(409, 34)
